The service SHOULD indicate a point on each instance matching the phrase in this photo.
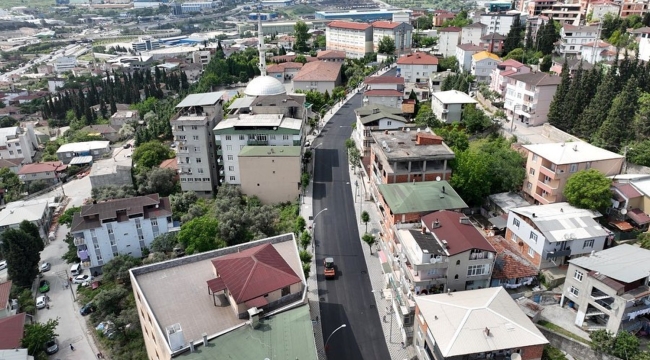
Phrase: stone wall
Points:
(574, 348)
(552, 133)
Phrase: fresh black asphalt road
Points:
(347, 299)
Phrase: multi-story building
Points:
(598, 9)
(18, 143)
(499, 76)
(597, 51)
(549, 166)
(634, 7)
(38, 212)
(47, 172)
(448, 105)
(549, 235)
(448, 39)
(122, 117)
(464, 53)
(492, 42)
(364, 15)
(565, 14)
(644, 45)
(471, 34)
(399, 32)
(416, 67)
(436, 80)
(528, 96)
(605, 292)
(105, 230)
(284, 71)
(353, 38)
(145, 43)
(440, 16)
(64, 64)
(384, 90)
(201, 57)
(331, 55)
(501, 22)
(488, 319)
(271, 172)
(192, 129)
(319, 76)
(483, 63)
(536, 7)
(197, 7)
(93, 149)
(572, 38)
(375, 117)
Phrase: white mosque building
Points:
(263, 84)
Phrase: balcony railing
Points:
(258, 142)
(79, 241)
(557, 253)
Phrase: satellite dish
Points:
(624, 211)
(437, 178)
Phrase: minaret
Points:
(262, 48)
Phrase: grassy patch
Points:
(7, 4)
(299, 10)
(564, 332)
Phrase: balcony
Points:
(257, 142)
(548, 172)
(546, 199)
(79, 241)
(548, 186)
(557, 253)
(183, 150)
(220, 152)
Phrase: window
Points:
(242, 137)
(272, 137)
(531, 252)
(457, 262)
(228, 137)
(141, 237)
(231, 168)
(194, 127)
(533, 237)
(587, 165)
(11, 152)
(574, 291)
(198, 160)
(531, 171)
(110, 231)
(195, 137)
(529, 185)
(534, 159)
(229, 147)
(578, 275)
(389, 123)
(588, 244)
(231, 158)
(573, 168)
(197, 148)
(154, 222)
(113, 242)
(515, 222)
(478, 270)
(285, 137)
(99, 257)
(232, 178)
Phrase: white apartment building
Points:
(464, 53)
(18, 143)
(145, 44)
(353, 38)
(529, 95)
(598, 9)
(471, 34)
(399, 32)
(195, 152)
(448, 105)
(105, 230)
(448, 39)
(499, 76)
(500, 23)
(201, 57)
(597, 51)
(564, 13)
(483, 63)
(573, 37)
(64, 63)
(416, 67)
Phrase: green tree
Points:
(182, 202)
(22, 252)
(157, 181)
(547, 62)
(514, 36)
(300, 59)
(300, 225)
(117, 269)
(455, 137)
(365, 218)
(426, 117)
(165, 242)
(354, 157)
(386, 46)
(642, 118)
(547, 35)
(111, 302)
(639, 153)
(588, 189)
(110, 192)
(595, 114)
(448, 63)
(305, 239)
(37, 335)
(151, 154)
(70, 255)
(556, 110)
(68, 214)
(552, 353)
(10, 182)
(370, 240)
(616, 129)
(475, 119)
(200, 235)
(424, 22)
(301, 33)
(626, 345)
(602, 341)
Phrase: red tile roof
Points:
(169, 164)
(331, 54)
(599, 43)
(319, 71)
(627, 190)
(418, 58)
(384, 80)
(12, 329)
(460, 237)
(512, 63)
(638, 216)
(42, 167)
(383, 92)
(348, 25)
(451, 29)
(5, 289)
(383, 24)
(509, 265)
(254, 272)
(281, 67)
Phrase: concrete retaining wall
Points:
(574, 348)
(551, 132)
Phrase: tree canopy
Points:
(37, 335)
(301, 33)
(118, 268)
(151, 154)
(22, 250)
(200, 234)
(386, 46)
(588, 189)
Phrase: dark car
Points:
(87, 309)
(51, 347)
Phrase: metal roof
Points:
(459, 321)
(203, 99)
(421, 197)
(81, 160)
(571, 153)
(626, 263)
(83, 146)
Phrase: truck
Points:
(330, 271)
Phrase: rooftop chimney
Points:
(436, 224)
(487, 331)
(191, 346)
(205, 339)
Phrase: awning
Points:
(622, 225)
(81, 160)
(498, 222)
(385, 265)
(215, 285)
(258, 302)
(638, 216)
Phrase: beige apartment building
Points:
(549, 166)
(353, 38)
(270, 172)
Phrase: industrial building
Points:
(361, 15)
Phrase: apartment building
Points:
(528, 96)
(448, 39)
(64, 64)
(485, 323)
(18, 143)
(375, 117)
(565, 14)
(416, 67)
(284, 71)
(630, 202)
(492, 42)
(384, 90)
(549, 166)
(598, 9)
(436, 80)
(572, 38)
(399, 32)
(472, 33)
(499, 76)
(536, 7)
(597, 51)
(353, 38)
(83, 152)
(38, 212)
(192, 129)
(201, 57)
(605, 293)
(319, 76)
(122, 117)
(499, 22)
(48, 172)
(277, 121)
(119, 227)
(464, 53)
(440, 16)
(146, 43)
(550, 235)
(448, 105)
(634, 7)
(483, 63)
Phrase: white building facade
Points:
(417, 67)
(64, 63)
(499, 23)
(18, 143)
(353, 38)
(448, 39)
(572, 38)
(448, 105)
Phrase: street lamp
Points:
(512, 123)
(335, 330)
(313, 226)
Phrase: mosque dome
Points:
(265, 85)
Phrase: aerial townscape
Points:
(325, 179)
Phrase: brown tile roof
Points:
(460, 237)
(385, 24)
(169, 164)
(384, 80)
(319, 71)
(5, 289)
(383, 92)
(12, 329)
(599, 44)
(331, 54)
(509, 264)
(149, 206)
(36, 168)
(470, 47)
(451, 29)
(101, 129)
(348, 25)
(281, 67)
(627, 190)
(418, 58)
(512, 63)
(254, 272)
(493, 36)
(10, 162)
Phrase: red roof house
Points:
(12, 329)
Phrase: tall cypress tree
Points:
(529, 38)
(574, 105)
(595, 113)
(513, 39)
(555, 115)
(617, 128)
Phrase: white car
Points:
(3, 264)
(46, 266)
(82, 279)
(40, 302)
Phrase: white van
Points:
(76, 269)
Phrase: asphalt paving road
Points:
(348, 298)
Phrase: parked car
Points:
(82, 279)
(126, 146)
(44, 286)
(46, 266)
(41, 302)
(3, 264)
(87, 309)
(51, 347)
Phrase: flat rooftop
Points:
(176, 291)
(270, 151)
(110, 166)
(626, 263)
(259, 120)
(401, 145)
(571, 152)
